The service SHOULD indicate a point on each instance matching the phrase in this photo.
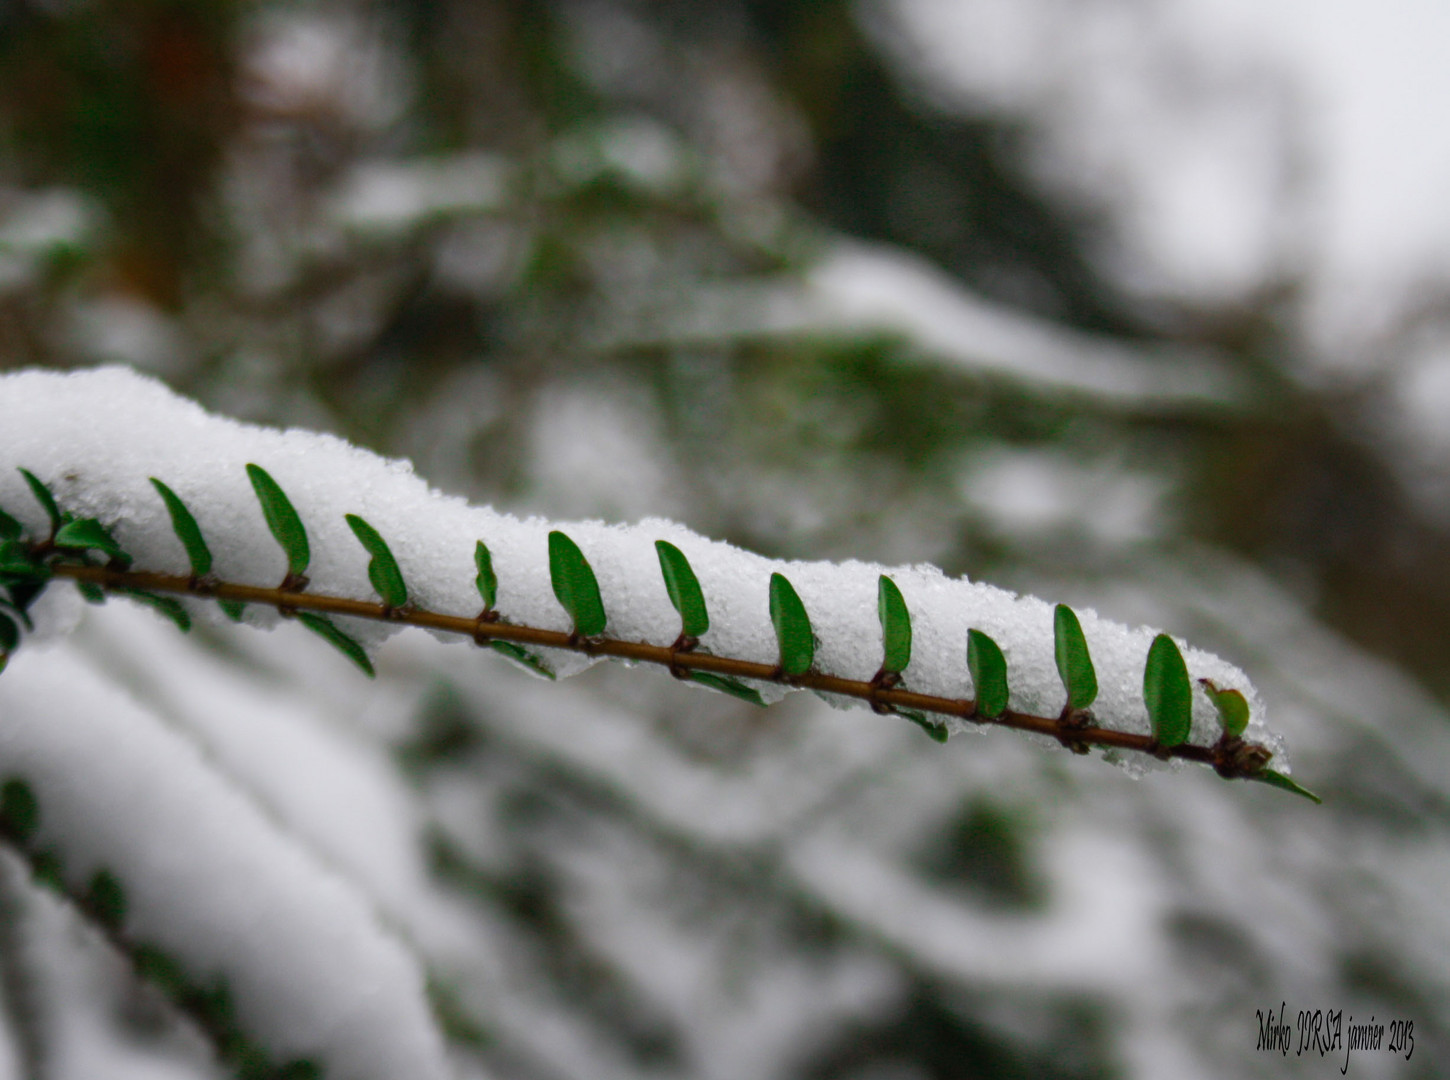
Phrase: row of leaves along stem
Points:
(84, 550)
(208, 1004)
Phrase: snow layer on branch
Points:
(334, 790)
(97, 436)
(209, 879)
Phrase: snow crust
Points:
(310, 969)
(96, 436)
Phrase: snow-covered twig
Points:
(110, 480)
(278, 958)
(1232, 757)
(126, 455)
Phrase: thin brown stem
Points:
(1228, 762)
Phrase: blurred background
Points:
(1143, 305)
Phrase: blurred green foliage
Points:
(622, 171)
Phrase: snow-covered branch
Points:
(97, 438)
(363, 547)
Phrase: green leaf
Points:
(17, 563)
(45, 498)
(282, 519)
(1074, 665)
(989, 673)
(895, 626)
(727, 685)
(1167, 692)
(47, 869)
(91, 592)
(300, 1069)
(19, 810)
(323, 627)
(15, 603)
(487, 580)
(88, 534)
(575, 585)
(520, 655)
(1285, 783)
(186, 529)
(107, 899)
(383, 570)
(166, 605)
(1233, 709)
(161, 970)
(214, 1001)
(684, 590)
(9, 634)
(937, 731)
(232, 609)
(792, 627)
(10, 528)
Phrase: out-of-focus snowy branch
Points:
(274, 955)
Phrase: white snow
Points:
(386, 198)
(209, 879)
(333, 789)
(855, 288)
(97, 436)
(36, 225)
(873, 286)
(1230, 139)
(75, 986)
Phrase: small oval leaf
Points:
(19, 810)
(895, 626)
(487, 580)
(520, 655)
(936, 730)
(18, 604)
(1233, 709)
(282, 520)
(684, 589)
(324, 627)
(106, 899)
(17, 563)
(1074, 664)
(989, 673)
(186, 529)
(88, 534)
(161, 970)
(575, 585)
(45, 498)
(1285, 783)
(9, 634)
(168, 606)
(726, 685)
(383, 569)
(10, 528)
(792, 627)
(232, 609)
(1167, 692)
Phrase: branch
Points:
(623, 612)
(243, 929)
(208, 1010)
(1230, 757)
